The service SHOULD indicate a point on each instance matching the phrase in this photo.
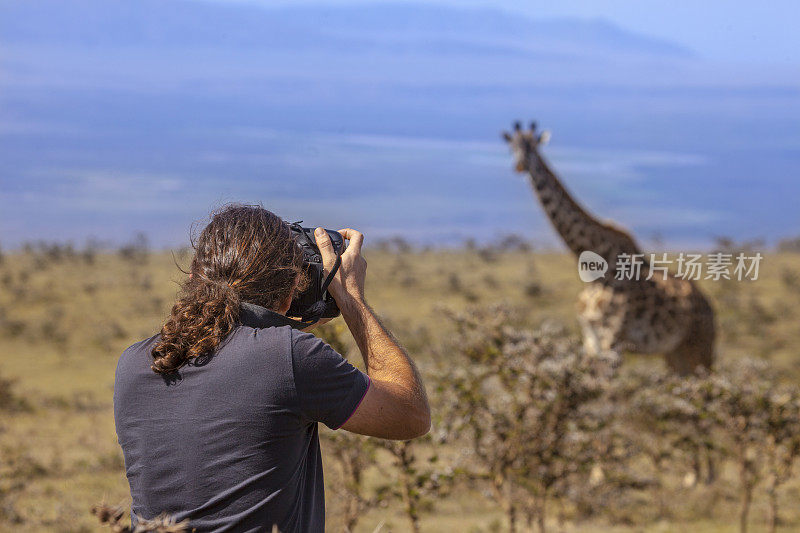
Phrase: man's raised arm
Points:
(395, 405)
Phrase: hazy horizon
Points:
(117, 118)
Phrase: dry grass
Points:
(116, 520)
(65, 320)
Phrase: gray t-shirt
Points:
(230, 441)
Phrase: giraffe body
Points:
(660, 315)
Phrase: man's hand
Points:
(347, 286)
(395, 405)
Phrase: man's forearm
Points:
(384, 358)
(396, 406)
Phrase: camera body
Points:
(304, 304)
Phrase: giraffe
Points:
(668, 316)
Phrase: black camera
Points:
(315, 302)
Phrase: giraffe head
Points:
(525, 144)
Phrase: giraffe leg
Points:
(599, 321)
(687, 357)
(590, 318)
(696, 350)
(711, 466)
(602, 340)
(591, 340)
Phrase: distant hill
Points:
(180, 23)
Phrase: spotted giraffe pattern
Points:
(657, 316)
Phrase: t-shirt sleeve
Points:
(329, 388)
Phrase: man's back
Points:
(230, 440)
(217, 415)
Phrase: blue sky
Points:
(723, 30)
(169, 108)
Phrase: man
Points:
(217, 415)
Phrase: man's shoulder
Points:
(137, 348)
(311, 354)
(305, 344)
(144, 344)
(247, 339)
(137, 351)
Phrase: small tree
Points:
(668, 425)
(420, 481)
(736, 398)
(783, 444)
(353, 455)
(137, 250)
(522, 401)
(10, 401)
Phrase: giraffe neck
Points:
(578, 229)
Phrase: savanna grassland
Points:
(66, 315)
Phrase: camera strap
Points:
(332, 273)
(316, 310)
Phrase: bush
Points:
(9, 400)
(522, 400)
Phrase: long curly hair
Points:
(245, 254)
